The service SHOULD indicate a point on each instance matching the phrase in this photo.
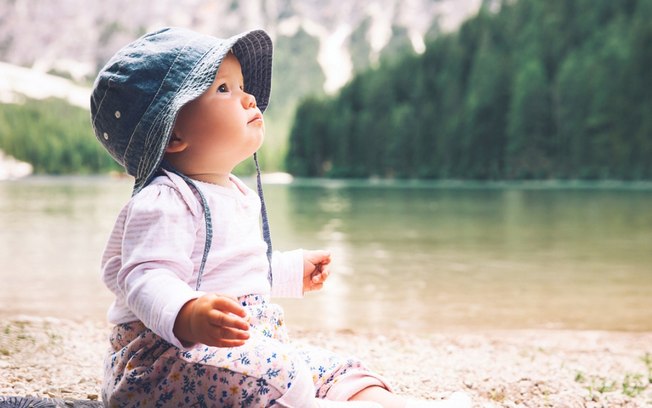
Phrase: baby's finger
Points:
(229, 305)
(325, 274)
(223, 333)
(220, 319)
(320, 277)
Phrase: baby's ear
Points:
(176, 145)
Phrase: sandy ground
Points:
(61, 359)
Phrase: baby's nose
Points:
(249, 101)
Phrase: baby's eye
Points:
(222, 88)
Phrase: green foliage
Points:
(55, 137)
(632, 383)
(299, 50)
(308, 121)
(538, 89)
(359, 46)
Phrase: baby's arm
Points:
(212, 320)
(299, 271)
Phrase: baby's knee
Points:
(278, 380)
(283, 372)
(264, 370)
(292, 380)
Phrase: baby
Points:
(191, 274)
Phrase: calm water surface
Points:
(406, 256)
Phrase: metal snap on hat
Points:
(139, 92)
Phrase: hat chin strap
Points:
(209, 223)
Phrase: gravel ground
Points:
(55, 358)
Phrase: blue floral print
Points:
(142, 369)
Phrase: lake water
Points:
(406, 256)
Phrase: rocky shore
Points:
(61, 359)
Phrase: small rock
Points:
(92, 397)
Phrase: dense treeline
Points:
(55, 137)
(539, 89)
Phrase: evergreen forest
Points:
(53, 136)
(538, 89)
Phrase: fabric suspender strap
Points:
(209, 222)
(263, 212)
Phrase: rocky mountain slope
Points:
(55, 48)
(75, 37)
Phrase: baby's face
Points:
(223, 126)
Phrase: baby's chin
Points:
(259, 141)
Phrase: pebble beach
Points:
(62, 359)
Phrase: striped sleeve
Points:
(157, 245)
(287, 273)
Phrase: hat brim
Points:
(254, 52)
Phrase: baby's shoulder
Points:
(166, 193)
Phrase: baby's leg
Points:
(337, 378)
(390, 400)
(346, 379)
(261, 373)
(143, 369)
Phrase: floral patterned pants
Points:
(143, 370)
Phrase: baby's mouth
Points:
(257, 117)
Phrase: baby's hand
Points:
(315, 269)
(212, 320)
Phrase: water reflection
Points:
(498, 257)
(404, 257)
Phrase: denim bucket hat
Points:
(139, 92)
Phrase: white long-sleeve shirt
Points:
(153, 255)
